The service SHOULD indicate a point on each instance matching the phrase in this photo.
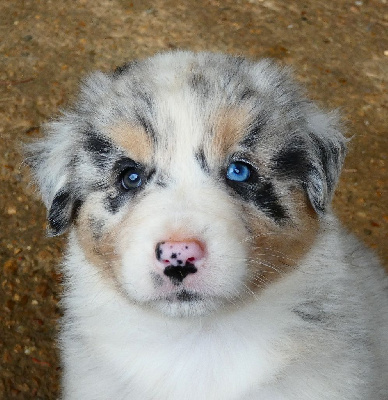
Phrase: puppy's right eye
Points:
(131, 178)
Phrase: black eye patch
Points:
(261, 193)
(130, 178)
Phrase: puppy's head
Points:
(190, 181)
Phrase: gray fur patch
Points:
(96, 226)
(157, 280)
(311, 312)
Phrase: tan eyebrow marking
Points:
(230, 127)
(134, 140)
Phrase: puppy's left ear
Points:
(328, 149)
(51, 160)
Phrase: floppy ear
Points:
(328, 149)
(51, 160)
(63, 211)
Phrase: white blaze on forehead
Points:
(181, 128)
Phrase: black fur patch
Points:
(64, 209)
(292, 162)
(158, 251)
(114, 203)
(100, 148)
(76, 208)
(261, 193)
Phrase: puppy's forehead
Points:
(191, 104)
(171, 107)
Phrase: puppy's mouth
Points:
(184, 296)
(185, 303)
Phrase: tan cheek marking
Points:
(99, 247)
(277, 250)
(134, 140)
(103, 250)
(230, 128)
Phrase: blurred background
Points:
(337, 48)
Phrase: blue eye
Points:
(131, 179)
(238, 171)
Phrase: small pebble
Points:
(11, 210)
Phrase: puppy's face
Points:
(191, 181)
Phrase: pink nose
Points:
(179, 259)
(179, 253)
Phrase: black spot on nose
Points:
(179, 272)
(158, 251)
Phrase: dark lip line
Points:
(184, 296)
(173, 297)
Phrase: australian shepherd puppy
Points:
(203, 259)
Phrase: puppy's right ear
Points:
(63, 211)
(51, 160)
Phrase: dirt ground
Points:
(338, 49)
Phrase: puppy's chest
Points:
(197, 363)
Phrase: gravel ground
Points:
(338, 49)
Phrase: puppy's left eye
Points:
(131, 178)
(238, 171)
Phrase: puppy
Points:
(203, 259)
